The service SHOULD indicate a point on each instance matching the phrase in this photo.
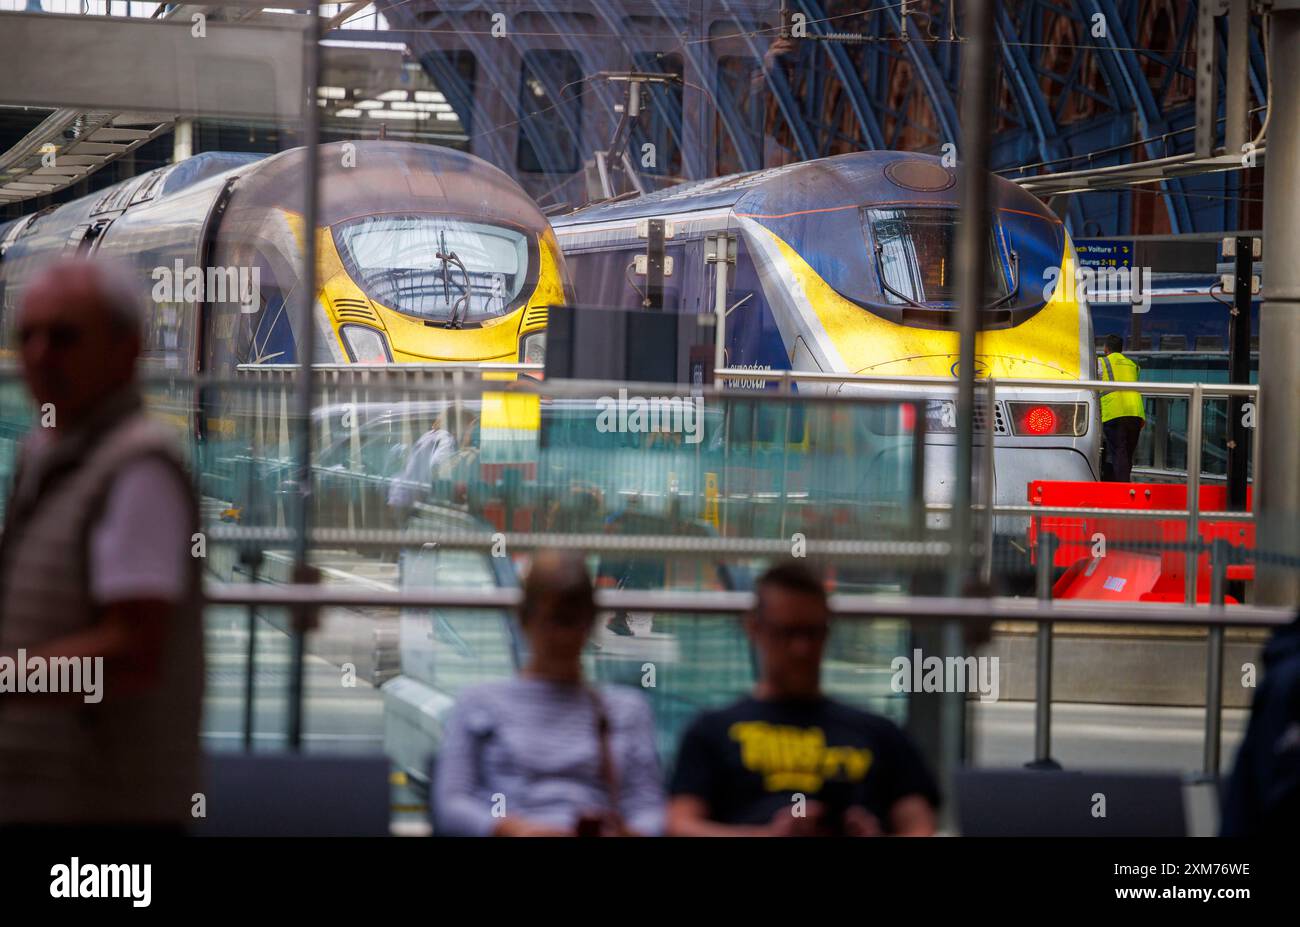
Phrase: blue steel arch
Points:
(849, 78)
(780, 87)
(433, 60)
(637, 48)
(1125, 74)
(1033, 107)
(941, 94)
(827, 97)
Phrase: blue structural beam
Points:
(1124, 74)
(779, 85)
(1033, 107)
(940, 94)
(850, 79)
(407, 28)
(1062, 99)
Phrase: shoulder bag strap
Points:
(608, 773)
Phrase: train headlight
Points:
(365, 345)
(532, 349)
(1040, 419)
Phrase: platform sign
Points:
(120, 65)
(1099, 252)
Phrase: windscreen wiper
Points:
(880, 267)
(462, 303)
(1015, 282)
(440, 255)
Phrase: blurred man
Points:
(788, 761)
(1122, 412)
(1263, 797)
(96, 571)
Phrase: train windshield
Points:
(439, 268)
(914, 250)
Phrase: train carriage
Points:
(844, 265)
(424, 254)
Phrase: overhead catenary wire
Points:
(1115, 149)
(685, 39)
(772, 31)
(375, 9)
(777, 31)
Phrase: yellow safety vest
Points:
(1119, 403)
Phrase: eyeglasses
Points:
(60, 336)
(813, 635)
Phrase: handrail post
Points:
(250, 557)
(1255, 451)
(1194, 440)
(1043, 666)
(1160, 434)
(989, 487)
(1214, 662)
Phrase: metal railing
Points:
(890, 553)
(1198, 393)
(916, 610)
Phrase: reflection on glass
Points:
(435, 267)
(915, 249)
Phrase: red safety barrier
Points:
(1126, 575)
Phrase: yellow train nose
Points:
(417, 341)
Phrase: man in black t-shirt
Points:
(788, 761)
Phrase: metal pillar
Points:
(1212, 755)
(251, 560)
(1236, 129)
(1239, 370)
(1195, 440)
(305, 336)
(1043, 661)
(1278, 469)
(183, 140)
(988, 485)
(1207, 81)
(978, 61)
(720, 251)
(977, 65)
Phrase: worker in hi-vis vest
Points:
(1122, 412)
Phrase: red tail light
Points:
(1039, 420)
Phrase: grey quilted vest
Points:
(128, 760)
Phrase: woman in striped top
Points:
(545, 753)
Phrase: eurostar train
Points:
(844, 265)
(424, 254)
